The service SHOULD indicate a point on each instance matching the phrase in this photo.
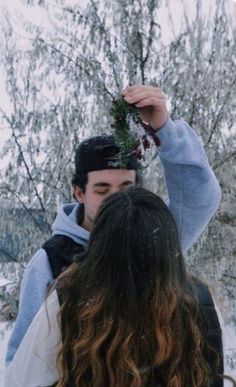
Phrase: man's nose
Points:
(115, 189)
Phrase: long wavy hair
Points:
(128, 314)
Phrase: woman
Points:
(129, 315)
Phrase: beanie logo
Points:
(113, 164)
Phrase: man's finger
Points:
(138, 88)
(151, 101)
(136, 97)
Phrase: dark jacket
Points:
(61, 251)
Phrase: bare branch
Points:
(17, 196)
(77, 64)
(229, 157)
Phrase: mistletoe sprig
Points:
(132, 135)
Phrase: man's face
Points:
(100, 185)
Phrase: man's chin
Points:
(88, 222)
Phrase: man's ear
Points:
(78, 194)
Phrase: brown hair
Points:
(129, 317)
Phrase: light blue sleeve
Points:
(33, 292)
(194, 192)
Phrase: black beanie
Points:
(100, 152)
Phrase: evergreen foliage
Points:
(122, 114)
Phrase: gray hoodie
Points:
(194, 195)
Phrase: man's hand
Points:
(151, 102)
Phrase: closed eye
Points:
(101, 192)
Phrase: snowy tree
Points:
(61, 78)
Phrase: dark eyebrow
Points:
(127, 182)
(103, 184)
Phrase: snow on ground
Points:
(229, 339)
(4, 337)
(3, 347)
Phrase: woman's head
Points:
(134, 243)
(127, 317)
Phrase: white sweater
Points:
(34, 362)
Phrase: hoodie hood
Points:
(65, 224)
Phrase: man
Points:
(194, 195)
